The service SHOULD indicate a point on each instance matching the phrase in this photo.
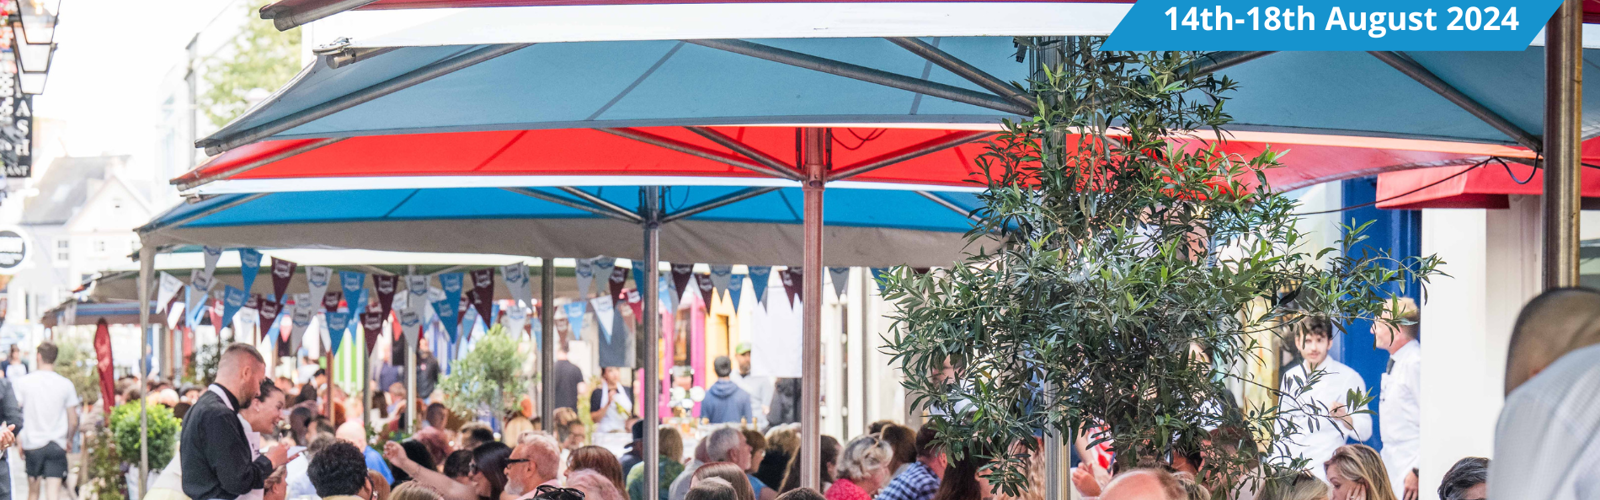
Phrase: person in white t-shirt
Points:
(1323, 420)
(261, 417)
(50, 408)
(1544, 445)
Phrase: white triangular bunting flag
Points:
(168, 289)
(585, 275)
(603, 267)
(516, 279)
(317, 280)
(200, 280)
(603, 311)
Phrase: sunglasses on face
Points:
(548, 492)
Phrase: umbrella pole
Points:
(411, 374)
(547, 343)
(1563, 115)
(815, 147)
(652, 335)
(147, 260)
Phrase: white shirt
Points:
(1319, 436)
(760, 389)
(255, 452)
(298, 480)
(617, 406)
(1400, 415)
(46, 397)
(1547, 444)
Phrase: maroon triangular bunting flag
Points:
(680, 280)
(793, 283)
(619, 277)
(371, 328)
(708, 290)
(385, 284)
(282, 273)
(483, 293)
(330, 301)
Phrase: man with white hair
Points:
(723, 445)
(1144, 484)
(1544, 445)
(213, 447)
(534, 463)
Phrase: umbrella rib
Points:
(947, 204)
(565, 202)
(741, 195)
(602, 203)
(188, 182)
(759, 156)
(962, 69)
(636, 82)
(200, 215)
(905, 154)
(1218, 61)
(414, 77)
(1425, 77)
(866, 74)
(690, 149)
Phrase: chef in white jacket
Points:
(1399, 404)
(1322, 415)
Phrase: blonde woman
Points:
(863, 469)
(1303, 486)
(1356, 472)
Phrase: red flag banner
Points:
(102, 353)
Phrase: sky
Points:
(105, 79)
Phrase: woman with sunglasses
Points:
(486, 482)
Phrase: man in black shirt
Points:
(213, 447)
(568, 376)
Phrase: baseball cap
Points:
(742, 348)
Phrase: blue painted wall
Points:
(1398, 232)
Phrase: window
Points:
(100, 246)
(63, 250)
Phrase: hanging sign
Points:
(13, 250)
(516, 277)
(793, 284)
(585, 274)
(483, 293)
(282, 273)
(759, 275)
(249, 266)
(385, 285)
(17, 147)
(575, 311)
(840, 277)
(167, 290)
(735, 286)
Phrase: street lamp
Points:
(33, 30)
(38, 20)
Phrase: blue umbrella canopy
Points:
(712, 224)
(863, 81)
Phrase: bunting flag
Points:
(200, 280)
(721, 276)
(215, 311)
(638, 274)
(603, 268)
(483, 294)
(708, 290)
(167, 290)
(921, 270)
(194, 300)
(411, 324)
(385, 286)
(447, 310)
(232, 300)
(253, 301)
(354, 286)
(575, 311)
(212, 255)
(416, 307)
(516, 277)
(635, 303)
(680, 280)
(619, 277)
(759, 275)
(517, 321)
(793, 284)
(585, 273)
(605, 312)
(176, 314)
(268, 311)
(317, 280)
(282, 274)
(249, 266)
(841, 278)
(371, 328)
(735, 286)
(338, 324)
(305, 308)
(331, 300)
(281, 345)
(877, 276)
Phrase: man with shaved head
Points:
(1144, 484)
(1544, 445)
(213, 447)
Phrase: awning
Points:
(705, 224)
(89, 313)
